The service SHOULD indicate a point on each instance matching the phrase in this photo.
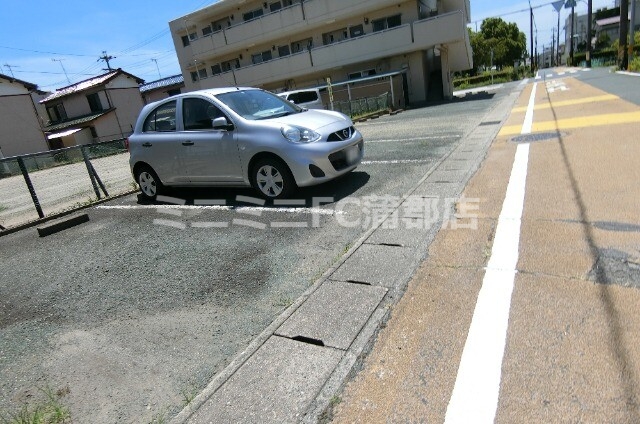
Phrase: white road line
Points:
(160, 208)
(477, 388)
(397, 140)
(393, 162)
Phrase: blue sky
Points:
(76, 32)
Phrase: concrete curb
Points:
(59, 215)
(62, 224)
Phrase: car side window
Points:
(197, 113)
(161, 119)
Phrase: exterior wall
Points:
(128, 103)
(20, 129)
(321, 21)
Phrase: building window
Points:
(298, 46)
(56, 113)
(187, 39)
(220, 24)
(283, 51)
(261, 57)
(94, 102)
(194, 76)
(386, 23)
(334, 36)
(252, 15)
(362, 74)
(230, 64)
(275, 6)
(206, 31)
(202, 73)
(356, 31)
(216, 69)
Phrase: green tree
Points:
(508, 43)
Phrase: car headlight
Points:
(299, 134)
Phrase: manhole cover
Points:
(530, 138)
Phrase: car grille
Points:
(341, 135)
(339, 159)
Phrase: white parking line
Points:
(318, 211)
(477, 388)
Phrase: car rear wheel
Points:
(150, 185)
(272, 178)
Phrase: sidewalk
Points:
(571, 342)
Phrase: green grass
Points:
(48, 411)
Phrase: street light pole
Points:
(589, 17)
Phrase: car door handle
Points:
(147, 144)
(187, 143)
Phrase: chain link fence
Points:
(41, 184)
(367, 105)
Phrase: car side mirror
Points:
(221, 123)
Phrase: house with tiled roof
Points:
(97, 109)
(20, 117)
(162, 88)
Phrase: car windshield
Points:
(258, 104)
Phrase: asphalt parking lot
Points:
(134, 312)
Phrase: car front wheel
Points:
(150, 185)
(272, 178)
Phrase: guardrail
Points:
(37, 185)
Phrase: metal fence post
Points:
(32, 190)
(89, 169)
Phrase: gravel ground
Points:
(133, 319)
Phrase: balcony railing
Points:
(323, 10)
(286, 67)
(208, 43)
(440, 29)
(280, 23)
(368, 47)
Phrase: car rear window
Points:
(303, 97)
(162, 118)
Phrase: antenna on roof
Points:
(9, 67)
(106, 58)
(64, 70)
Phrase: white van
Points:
(309, 98)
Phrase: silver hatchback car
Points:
(240, 137)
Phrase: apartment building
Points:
(101, 108)
(283, 45)
(20, 118)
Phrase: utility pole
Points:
(589, 17)
(531, 34)
(558, 6)
(106, 58)
(63, 70)
(632, 32)
(573, 6)
(623, 53)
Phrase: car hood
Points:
(315, 120)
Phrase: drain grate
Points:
(530, 138)
(489, 123)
